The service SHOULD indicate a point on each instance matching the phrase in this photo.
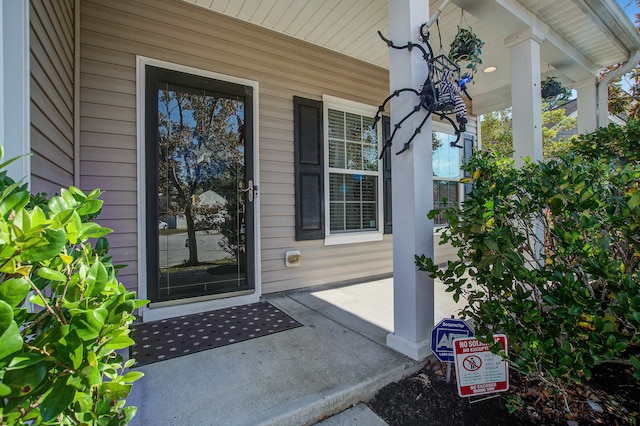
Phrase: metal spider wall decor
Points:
(439, 94)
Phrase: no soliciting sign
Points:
(478, 370)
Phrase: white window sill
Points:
(354, 237)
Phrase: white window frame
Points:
(332, 102)
(441, 128)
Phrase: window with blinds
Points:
(354, 173)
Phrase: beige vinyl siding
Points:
(51, 95)
(114, 32)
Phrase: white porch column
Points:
(14, 90)
(412, 181)
(587, 105)
(524, 49)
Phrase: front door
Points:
(199, 184)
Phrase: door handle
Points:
(251, 190)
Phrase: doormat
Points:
(174, 337)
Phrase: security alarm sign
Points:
(478, 370)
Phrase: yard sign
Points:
(442, 337)
(478, 370)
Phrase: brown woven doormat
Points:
(174, 337)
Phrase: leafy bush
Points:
(549, 255)
(58, 361)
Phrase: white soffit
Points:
(346, 26)
(581, 36)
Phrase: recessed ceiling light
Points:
(490, 69)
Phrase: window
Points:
(446, 174)
(353, 172)
(342, 189)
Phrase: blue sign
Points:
(442, 337)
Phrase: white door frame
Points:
(193, 305)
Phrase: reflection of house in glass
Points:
(217, 258)
(211, 200)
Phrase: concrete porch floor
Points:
(296, 377)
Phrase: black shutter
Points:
(386, 175)
(467, 144)
(309, 168)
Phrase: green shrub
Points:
(549, 255)
(58, 361)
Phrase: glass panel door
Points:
(202, 190)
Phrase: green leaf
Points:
(24, 381)
(60, 398)
(102, 246)
(51, 336)
(620, 347)
(91, 375)
(51, 274)
(636, 365)
(90, 207)
(38, 218)
(88, 324)
(14, 291)
(127, 306)
(36, 299)
(116, 390)
(72, 349)
(68, 197)
(6, 316)
(62, 218)
(77, 193)
(140, 303)
(634, 201)
(22, 220)
(132, 376)
(55, 241)
(575, 310)
(492, 244)
(129, 413)
(9, 266)
(4, 390)
(93, 230)
(74, 228)
(94, 194)
(25, 360)
(15, 201)
(11, 160)
(611, 341)
(119, 342)
(96, 279)
(10, 341)
(57, 205)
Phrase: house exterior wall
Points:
(114, 32)
(51, 95)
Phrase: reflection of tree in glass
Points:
(370, 147)
(436, 141)
(200, 149)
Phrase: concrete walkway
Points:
(296, 377)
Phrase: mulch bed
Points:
(170, 338)
(425, 398)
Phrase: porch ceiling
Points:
(580, 36)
